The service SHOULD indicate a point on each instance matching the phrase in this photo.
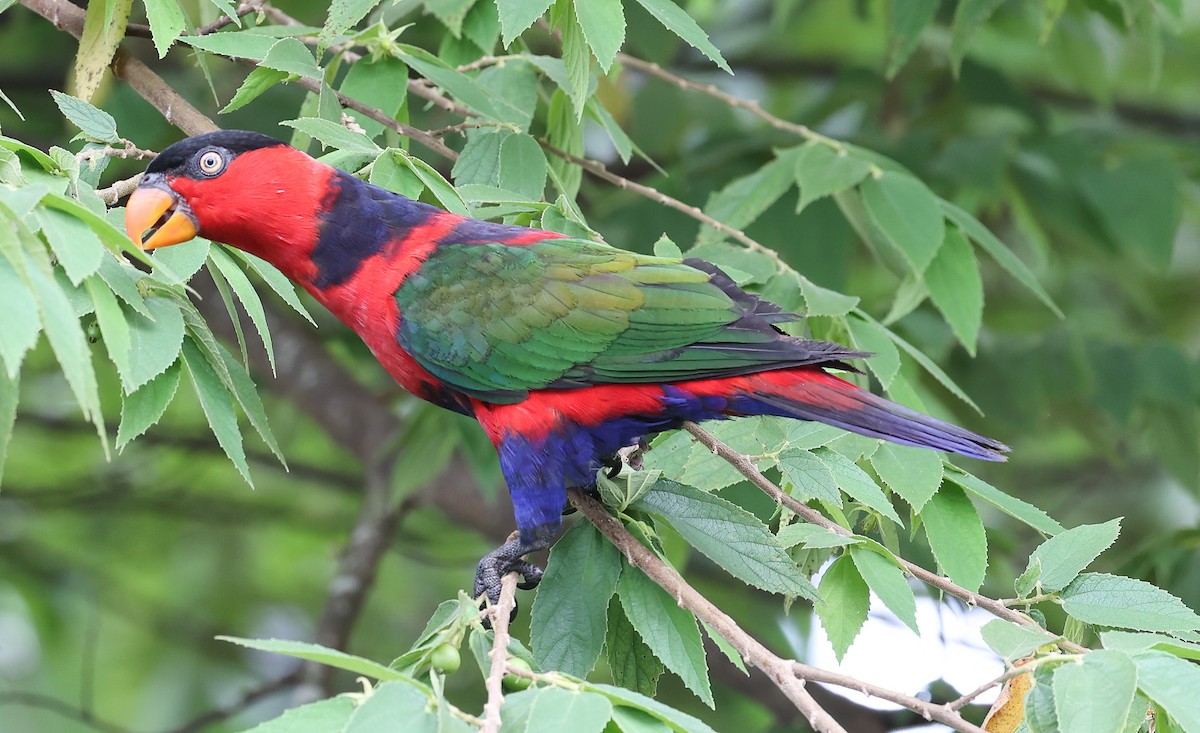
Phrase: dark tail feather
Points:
(845, 406)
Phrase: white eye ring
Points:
(212, 163)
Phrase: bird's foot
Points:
(507, 558)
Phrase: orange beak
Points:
(157, 209)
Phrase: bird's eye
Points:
(211, 163)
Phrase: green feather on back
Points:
(495, 321)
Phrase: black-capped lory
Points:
(564, 350)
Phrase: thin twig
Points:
(244, 701)
(779, 670)
(61, 707)
(127, 150)
(369, 539)
(747, 468)
(599, 170)
(750, 105)
(499, 654)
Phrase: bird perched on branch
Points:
(564, 350)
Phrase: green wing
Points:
(495, 321)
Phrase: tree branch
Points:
(780, 671)
(499, 654)
(248, 698)
(747, 468)
(61, 707)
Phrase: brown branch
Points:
(246, 699)
(499, 654)
(747, 468)
(61, 707)
(788, 675)
(599, 170)
(347, 592)
(780, 671)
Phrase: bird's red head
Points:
(242, 188)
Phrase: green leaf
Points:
(248, 296)
(670, 631)
(845, 600)
(681, 24)
(545, 709)
(461, 86)
(632, 720)
(397, 177)
(277, 281)
(567, 627)
(1040, 716)
(259, 80)
(821, 171)
(925, 362)
(1139, 204)
(451, 13)
(92, 121)
(576, 57)
(969, 17)
(907, 214)
(956, 536)
(441, 189)
(888, 582)
(21, 323)
(103, 28)
(237, 44)
(392, 702)
(321, 716)
(145, 406)
(1010, 505)
(167, 23)
(616, 134)
(1112, 600)
(913, 473)
(293, 57)
(333, 135)
(516, 16)
(73, 242)
(808, 476)
(375, 84)
(1062, 557)
(479, 161)
(857, 483)
(999, 252)
(154, 342)
(1172, 684)
(679, 721)
(1132, 642)
(523, 166)
(603, 24)
(631, 663)
(67, 341)
(243, 389)
(1013, 641)
(114, 327)
(217, 406)
(956, 288)
(323, 655)
(1095, 696)
(812, 536)
(728, 535)
(184, 259)
(10, 395)
(122, 279)
(908, 19)
(732, 654)
(739, 203)
(482, 26)
(342, 15)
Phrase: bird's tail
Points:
(812, 394)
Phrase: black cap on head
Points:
(235, 141)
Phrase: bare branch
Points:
(747, 468)
(369, 540)
(61, 707)
(780, 671)
(247, 699)
(499, 654)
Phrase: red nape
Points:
(267, 203)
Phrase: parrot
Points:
(565, 350)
